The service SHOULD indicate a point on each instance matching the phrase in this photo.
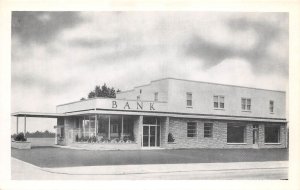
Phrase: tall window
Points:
(191, 129)
(219, 102)
(272, 134)
(235, 133)
(62, 132)
(189, 99)
(208, 127)
(271, 106)
(114, 128)
(246, 104)
(156, 96)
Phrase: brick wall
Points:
(178, 127)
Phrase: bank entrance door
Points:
(151, 136)
(255, 136)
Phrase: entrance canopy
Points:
(34, 114)
(37, 114)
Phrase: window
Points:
(272, 134)
(271, 106)
(62, 132)
(189, 99)
(235, 133)
(219, 102)
(246, 104)
(156, 96)
(208, 129)
(114, 128)
(138, 97)
(140, 91)
(191, 129)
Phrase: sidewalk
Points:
(91, 172)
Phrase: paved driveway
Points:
(53, 157)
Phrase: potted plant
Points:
(20, 142)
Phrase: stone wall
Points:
(137, 129)
(178, 127)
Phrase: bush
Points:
(20, 137)
(170, 138)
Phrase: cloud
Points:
(266, 44)
(41, 27)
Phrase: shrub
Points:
(170, 138)
(94, 139)
(20, 137)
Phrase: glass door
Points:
(255, 136)
(151, 136)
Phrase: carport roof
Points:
(37, 114)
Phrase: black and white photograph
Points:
(156, 95)
(149, 95)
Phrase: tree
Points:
(91, 94)
(102, 91)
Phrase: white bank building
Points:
(174, 113)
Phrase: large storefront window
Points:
(272, 134)
(105, 128)
(235, 133)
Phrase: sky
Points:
(58, 57)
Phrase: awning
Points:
(37, 114)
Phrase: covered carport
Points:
(35, 115)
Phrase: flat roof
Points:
(37, 114)
(203, 82)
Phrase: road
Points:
(23, 170)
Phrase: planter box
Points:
(21, 144)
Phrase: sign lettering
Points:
(130, 105)
(114, 104)
(127, 105)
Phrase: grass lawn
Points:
(61, 157)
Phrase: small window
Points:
(219, 102)
(271, 106)
(246, 104)
(156, 96)
(189, 99)
(191, 129)
(272, 134)
(208, 127)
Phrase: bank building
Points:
(173, 113)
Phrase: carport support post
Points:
(25, 126)
(17, 125)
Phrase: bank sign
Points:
(133, 105)
(113, 104)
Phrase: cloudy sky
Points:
(58, 57)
